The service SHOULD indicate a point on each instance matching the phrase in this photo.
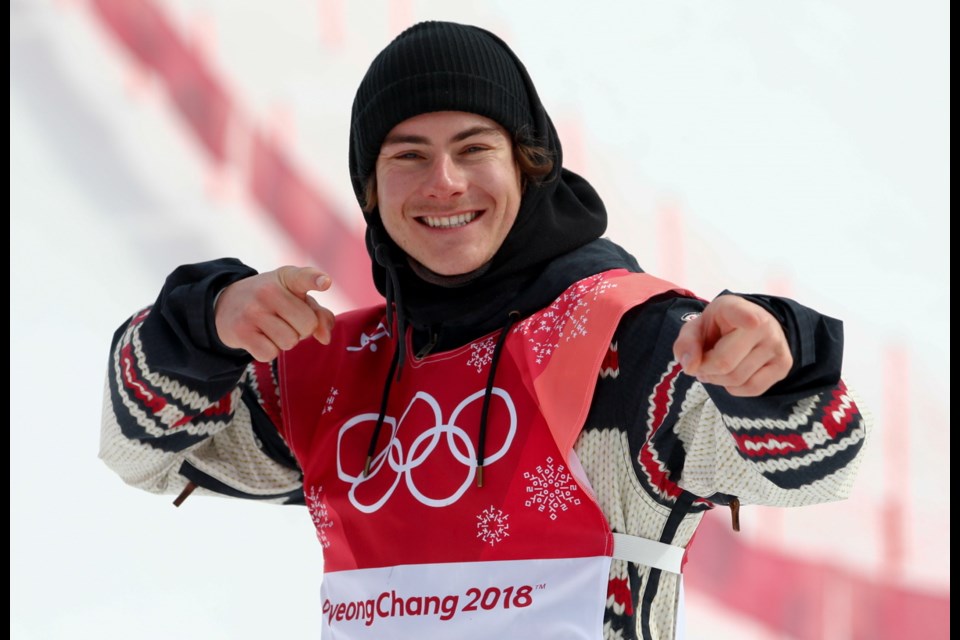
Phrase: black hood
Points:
(558, 213)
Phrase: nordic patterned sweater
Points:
(658, 447)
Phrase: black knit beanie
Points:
(445, 66)
(435, 66)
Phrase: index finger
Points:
(300, 280)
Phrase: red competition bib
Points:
(415, 548)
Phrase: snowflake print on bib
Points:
(493, 525)
(565, 319)
(319, 515)
(552, 489)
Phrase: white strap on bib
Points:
(649, 553)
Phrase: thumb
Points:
(300, 280)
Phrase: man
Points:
(523, 439)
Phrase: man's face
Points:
(448, 189)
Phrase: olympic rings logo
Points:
(396, 460)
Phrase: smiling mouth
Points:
(449, 222)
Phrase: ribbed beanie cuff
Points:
(434, 66)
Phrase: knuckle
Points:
(722, 364)
(288, 342)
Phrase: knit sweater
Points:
(659, 447)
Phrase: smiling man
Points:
(522, 439)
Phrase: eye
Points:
(474, 148)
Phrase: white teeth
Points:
(448, 222)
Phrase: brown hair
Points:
(535, 162)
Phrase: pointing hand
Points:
(735, 344)
(272, 312)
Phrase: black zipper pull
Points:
(735, 512)
(427, 348)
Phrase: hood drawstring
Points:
(381, 252)
(383, 411)
(482, 436)
(394, 304)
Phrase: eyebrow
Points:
(459, 137)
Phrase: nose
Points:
(445, 178)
